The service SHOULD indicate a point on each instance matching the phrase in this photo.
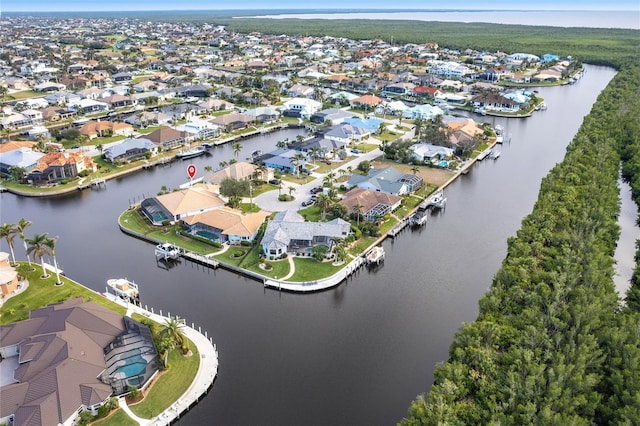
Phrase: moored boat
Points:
(494, 154)
(125, 289)
(192, 152)
(438, 200)
(168, 251)
(375, 255)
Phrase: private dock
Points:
(203, 260)
(93, 183)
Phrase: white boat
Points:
(499, 139)
(483, 154)
(192, 152)
(375, 255)
(438, 200)
(498, 129)
(168, 251)
(494, 154)
(125, 289)
(419, 218)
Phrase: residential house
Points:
(331, 115)
(97, 128)
(494, 101)
(232, 121)
(239, 170)
(284, 159)
(300, 107)
(23, 157)
(428, 153)
(300, 90)
(129, 149)
(119, 101)
(399, 89)
(423, 112)
(322, 147)
(167, 138)
(122, 77)
(346, 133)
(15, 122)
(56, 166)
(366, 102)
(89, 106)
(178, 205)
(195, 90)
(264, 114)
(288, 233)
(8, 275)
(147, 118)
(387, 180)
(179, 111)
(65, 362)
(371, 204)
(225, 225)
(199, 129)
(215, 105)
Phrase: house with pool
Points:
(177, 205)
(288, 232)
(70, 357)
(225, 225)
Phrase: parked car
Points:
(316, 189)
(274, 181)
(308, 203)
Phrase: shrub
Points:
(246, 243)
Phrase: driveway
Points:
(269, 200)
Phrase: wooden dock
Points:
(203, 260)
(93, 183)
(399, 227)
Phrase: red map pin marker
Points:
(191, 170)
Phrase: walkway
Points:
(292, 268)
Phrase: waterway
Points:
(358, 353)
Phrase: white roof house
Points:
(305, 106)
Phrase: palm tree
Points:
(323, 202)
(39, 246)
(8, 232)
(237, 147)
(330, 179)
(51, 243)
(415, 169)
(357, 211)
(223, 164)
(291, 191)
(298, 159)
(314, 154)
(173, 331)
(20, 227)
(281, 144)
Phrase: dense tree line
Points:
(551, 344)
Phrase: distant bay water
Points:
(587, 19)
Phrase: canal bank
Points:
(354, 354)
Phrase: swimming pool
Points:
(208, 235)
(135, 365)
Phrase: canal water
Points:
(358, 353)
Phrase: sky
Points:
(125, 5)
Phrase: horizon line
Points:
(325, 9)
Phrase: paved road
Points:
(269, 200)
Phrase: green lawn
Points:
(118, 418)
(43, 292)
(133, 220)
(280, 268)
(171, 384)
(309, 269)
